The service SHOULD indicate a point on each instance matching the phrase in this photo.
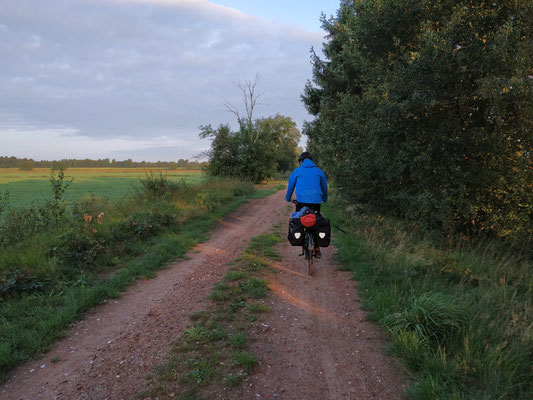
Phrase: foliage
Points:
(160, 186)
(26, 165)
(4, 200)
(75, 251)
(425, 110)
(59, 185)
(23, 222)
(259, 150)
(255, 152)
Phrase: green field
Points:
(25, 187)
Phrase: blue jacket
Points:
(310, 183)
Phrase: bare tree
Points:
(250, 100)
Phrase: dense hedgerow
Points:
(424, 111)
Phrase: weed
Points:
(257, 308)
(219, 295)
(235, 275)
(160, 186)
(245, 360)
(238, 341)
(199, 316)
(234, 380)
(256, 288)
(75, 251)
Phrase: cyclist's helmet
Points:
(303, 156)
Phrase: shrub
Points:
(15, 282)
(4, 199)
(243, 188)
(25, 222)
(160, 186)
(74, 251)
(143, 224)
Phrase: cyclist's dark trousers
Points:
(312, 206)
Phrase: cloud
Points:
(141, 70)
(201, 6)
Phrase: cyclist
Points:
(310, 184)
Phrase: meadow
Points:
(25, 187)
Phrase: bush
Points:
(74, 251)
(243, 188)
(25, 222)
(4, 199)
(143, 224)
(160, 186)
(17, 281)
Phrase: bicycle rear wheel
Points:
(309, 247)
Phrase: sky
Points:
(137, 78)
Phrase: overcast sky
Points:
(136, 78)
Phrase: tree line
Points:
(424, 110)
(29, 163)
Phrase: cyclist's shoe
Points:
(318, 254)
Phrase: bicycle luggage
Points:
(308, 218)
(322, 231)
(296, 232)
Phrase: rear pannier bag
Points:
(322, 231)
(296, 232)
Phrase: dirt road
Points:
(315, 344)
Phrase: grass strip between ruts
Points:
(42, 319)
(212, 354)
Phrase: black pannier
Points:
(322, 231)
(296, 232)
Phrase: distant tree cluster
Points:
(259, 149)
(424, 109)
(255, 152)
(26, 164)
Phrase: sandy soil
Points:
(315, 344)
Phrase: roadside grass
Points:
(212, 355)
(51, 277)
(460, 315)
